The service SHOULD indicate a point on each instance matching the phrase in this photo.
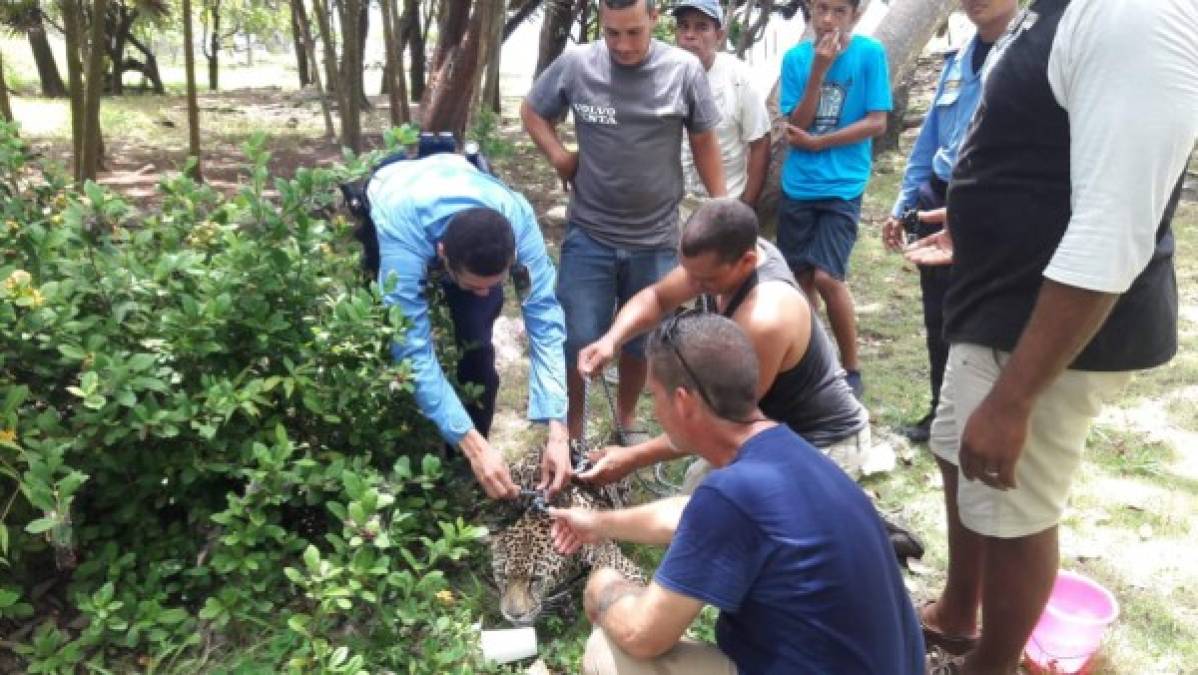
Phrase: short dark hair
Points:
(709, 355)
(726, 226)
(479, 241)
(625, 4)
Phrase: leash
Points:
(660, 485)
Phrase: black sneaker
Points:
(853, 379)
(921, 431)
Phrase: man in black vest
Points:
(1063, 284)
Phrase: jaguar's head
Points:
(530, 574)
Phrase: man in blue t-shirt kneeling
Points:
(785, 544)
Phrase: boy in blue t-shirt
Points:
(835, 94)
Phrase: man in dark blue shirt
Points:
(778, 538)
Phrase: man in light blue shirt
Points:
(925, 182)
(443, 216)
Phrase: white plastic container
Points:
(509, 644)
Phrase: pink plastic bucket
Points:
(1073, 624)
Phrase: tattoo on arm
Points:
(613, 593)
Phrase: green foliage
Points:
(203, 435)
(486, 132)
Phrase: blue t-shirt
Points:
(794, 555)
(858, 82)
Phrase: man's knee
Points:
(597, 658)
(825, 282)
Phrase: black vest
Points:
(811, 398)
(1008, 208)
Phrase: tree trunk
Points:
(310, 46)
(459, 66)
(906, 30)
(521, 15)
(363, 31)
(414, 34)
(299, 21)
(5, 105)
(584, 21)
(43, 58)
(214, 40)
(150, 67)
(73, 33)
(490, 53)
(321, 11)
(350, 93)
(752, 32)
(119, 21)
(92, 136)
(393, 75)
(555, 29)
(193, 106)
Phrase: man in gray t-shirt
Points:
(631, 97)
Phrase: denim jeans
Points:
(594, 280)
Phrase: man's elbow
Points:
(644, 644)
(879, 125)
(530, 118)
(526, 114)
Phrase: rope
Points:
(659, 486)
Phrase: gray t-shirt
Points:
(629, 122)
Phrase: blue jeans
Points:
(594, 280)
(473, 319)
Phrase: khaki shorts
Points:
(850, 454)
(1051, 454)
(686, 658)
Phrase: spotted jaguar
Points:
(530, 574)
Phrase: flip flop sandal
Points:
(951, 644)
(940, 662)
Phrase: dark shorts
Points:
(818, 233)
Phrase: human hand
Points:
(489, 467)
(572, 528)
(594, 357)
(802, 139)
(566, 165)
(931, 251)
(893, 235)
(993, 440)
(555, 461)
(827, 49)
(610, 465)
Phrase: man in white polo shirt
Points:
(744, 127)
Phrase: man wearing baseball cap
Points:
(744, 126)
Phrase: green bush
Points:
(203, 438)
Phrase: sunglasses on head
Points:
(669, 336)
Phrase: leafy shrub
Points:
(202, 435)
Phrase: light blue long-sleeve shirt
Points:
(935, 151)
(411, 202)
